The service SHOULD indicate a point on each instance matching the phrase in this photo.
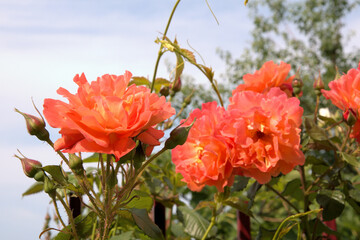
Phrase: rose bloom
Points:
(106, 116)
(345, 94)
(264, 129)
(204, 158)
(270, 75)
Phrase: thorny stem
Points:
(283, 198)
(129, 186)
(306, 201)
(57, 212)
(69, 213)
(161, 47)
(316, 108)
(81, 180)
(334, 125)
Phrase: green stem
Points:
(160, 50)
(306, 202)
(316, 108)
(212, 223)
(283, 198)
(57, 213)
(129, 186)
(69, 213)
(81, 180)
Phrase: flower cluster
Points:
(345, 94)
(107, 116)
(256, 136)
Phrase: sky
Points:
(44, 44)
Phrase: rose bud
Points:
(35, 126)
(350, 117)
(297, 84)
(178, 136)
(76, 164)
(318, 85)
(165, 91)
(30, 167)
(49, 187)
(176, 86)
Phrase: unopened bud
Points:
(111, 179)
(49, 187)
(165, 91)
(297, 85)
(76, 164)
(39, 176)
(350, 117)
(187, 100)
(287, 88)
(318, 85)
(176, 86)
(35, 126)
(30, 167)
(178, 136)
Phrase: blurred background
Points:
(44, 44)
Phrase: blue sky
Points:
(44, 43)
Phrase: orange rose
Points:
(270, 75)
(204, 157)
(264, 131)
(106, 116)
(345, 94)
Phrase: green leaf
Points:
(238, 204)
(188, 55)
(139, 81)
(292, 218)
(194, 224)
(314, 131)
(35, 188)
(83, 227)
(143, 221)
(240, 183)
(332, 202)
(179, 66)
(252, 192)
(141, 200)
(124, 236)
(350, 159)
(206, 204)
(56, 173)
(93, 158)
(355, 194)
(159, 83)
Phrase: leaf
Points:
(56, 173)
(240, 183)
(252, 192)
(124, 236)
(179, 66)
(143, 221)
(318, 135)
(139, 81)
(159, 83)
(188, 55)
(194, 224)
(350, 159)
(208, 72)
(93, 158)
(35, 188)
(141, 200)
(206, 204)
(355, 194)
(238, 204)
(83, 227)
(332, 202)
(292, 218)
